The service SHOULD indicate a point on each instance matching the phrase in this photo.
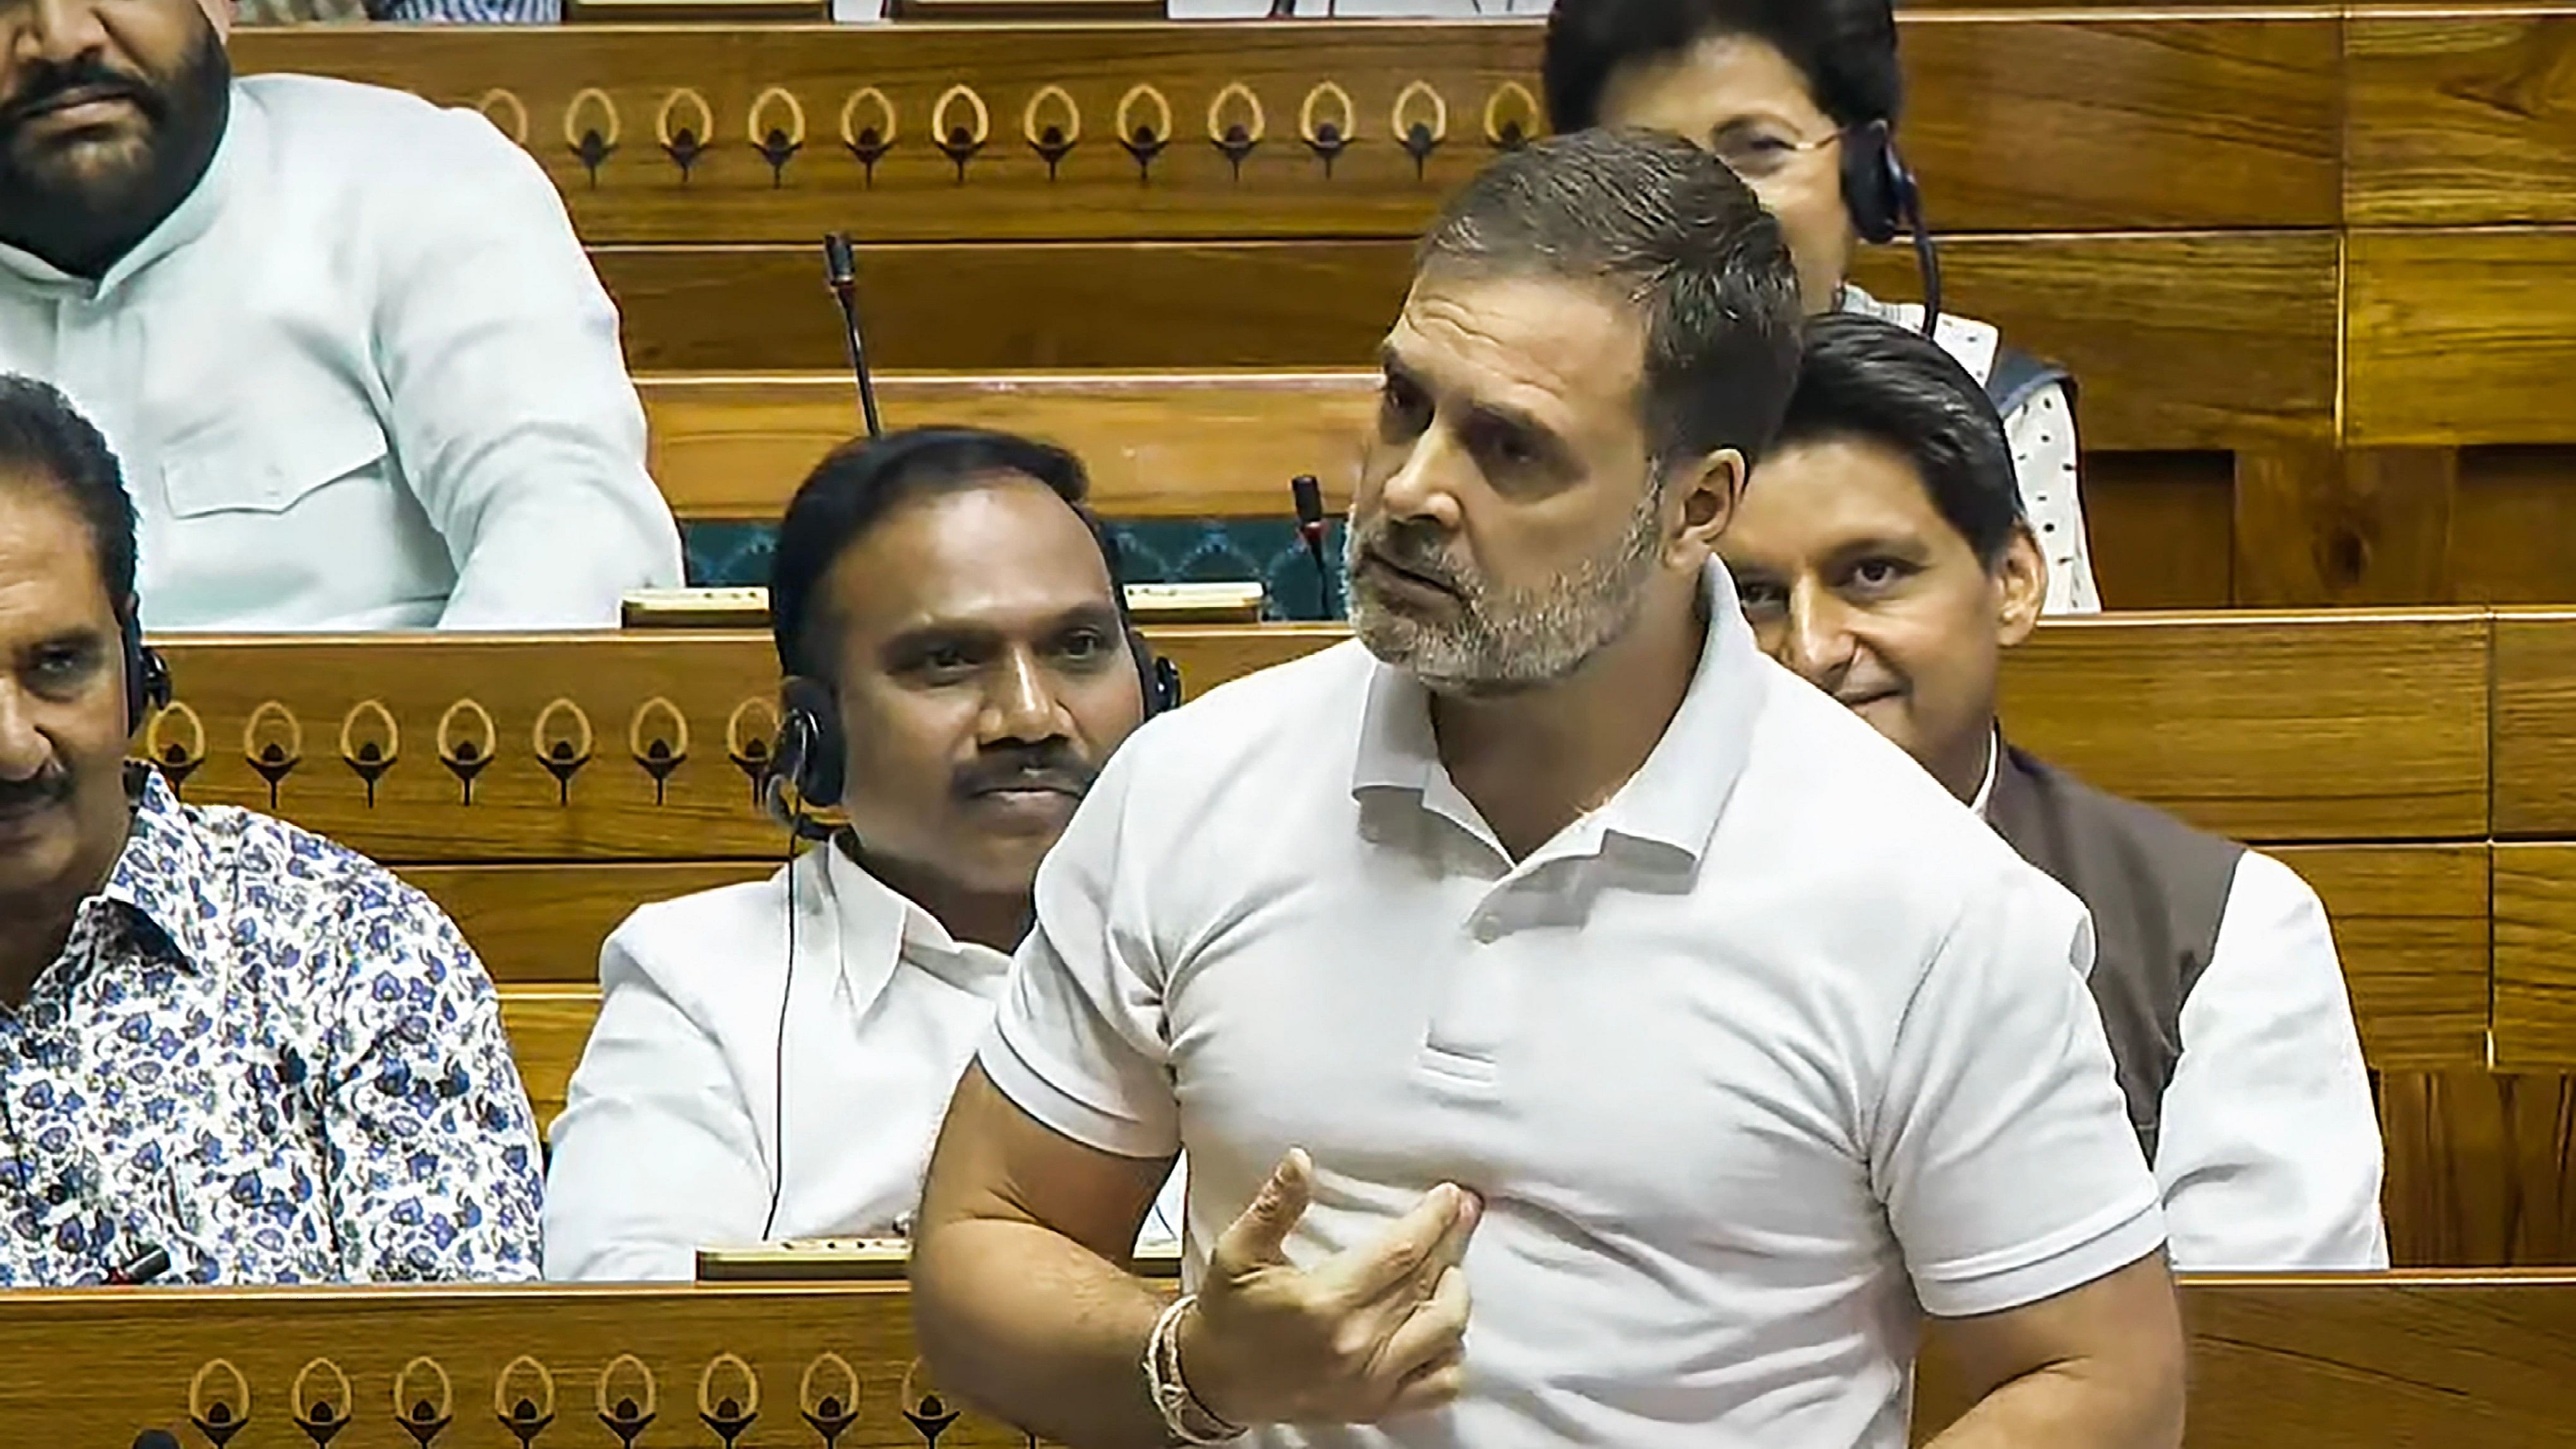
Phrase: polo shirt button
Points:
(1488, 930)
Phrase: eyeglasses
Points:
(1756, 154)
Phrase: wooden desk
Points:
(2463, 1362)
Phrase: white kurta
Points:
(362, 378)
(669, 1138)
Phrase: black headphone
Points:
(147, 677)
(806, 768)
(1884, 199)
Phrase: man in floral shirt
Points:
(230, 1051)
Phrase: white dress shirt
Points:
(1773, 1046)
(669, 1136)
(2042, 434)
(2269, 1153)
(362, 378)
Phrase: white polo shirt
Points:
(1776, 1041)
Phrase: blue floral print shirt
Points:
(265, 1056)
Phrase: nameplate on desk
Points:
(748, 608)
(859, 1260)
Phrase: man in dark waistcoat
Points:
(1882, 553)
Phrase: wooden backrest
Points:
(2402, 1359)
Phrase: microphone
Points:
(1308, 494)
(841, 270)
(142, 1268)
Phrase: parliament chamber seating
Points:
(2310, 262)
(2466, 1362)
(2414, 766)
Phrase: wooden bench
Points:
(2403, 1359)
(541, 787)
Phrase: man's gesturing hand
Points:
(1367, 1334)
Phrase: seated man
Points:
(354, 360)
(1883, 554)
(771, 1060)
(1582, 1032)
(1801, 98)
(230, 1052)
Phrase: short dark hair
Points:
(861, 482)
(1877, 382)
(43, 438)
(1845, 48)
(1669, 229)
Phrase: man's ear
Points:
(2021, 586)
(1707, 492)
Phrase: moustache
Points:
(52, 83)
(50, 786)
(1049, 767)
(1416, 550)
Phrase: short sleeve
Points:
(2002, 1147)
(2042, 433)
(1079, 1042)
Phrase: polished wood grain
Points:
(2180, 341)
(2509, 543)
(2162, 527)
(1186, 445)
(2320, 524)
(548, 1027)
(2017, 122)
(2376, 1362)
(2411, 926)
(2481, 1167)
(2535, 957)
(543, 923)
(2535, 722)
(98, 1368)
(2461, 115)
(2374, 723)
(2460, 337)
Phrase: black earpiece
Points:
(147, 677)
(805, 769)
(1885, 200)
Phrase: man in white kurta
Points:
(357, 364)
(771, 1059)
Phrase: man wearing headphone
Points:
(772, 1060)
(1801, 98)
(230, 1051)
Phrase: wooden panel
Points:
(545, 923)
(2481, 1167)
(1005, 308)
(2320, 525)
(1157, 445)
(101, 1368)
(2083, 122)
(2535, 958)
(2535, 723)
(2410, 923)
(548, 1027)
(2462, 115)
(2510, 543)
(2461, 337)
(2162, 528)
(694, 709)
(2350, 726)
(2372, 1362)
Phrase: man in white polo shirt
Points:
(1560, 951)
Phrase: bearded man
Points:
(1552, 947)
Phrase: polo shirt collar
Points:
(163, 876)
(1675, 798)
